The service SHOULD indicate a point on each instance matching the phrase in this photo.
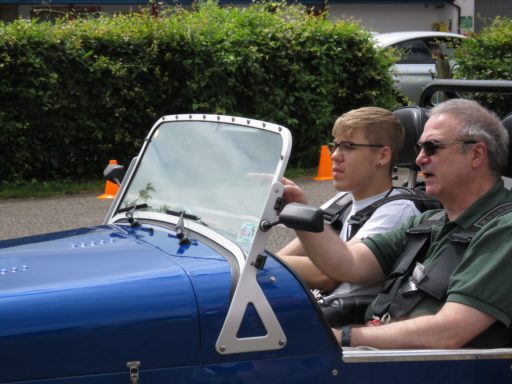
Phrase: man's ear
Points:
(384, 157)
(479, 154)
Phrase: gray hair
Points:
(477, 122)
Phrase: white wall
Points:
(375, 17)
(401, 17)
(467, 7)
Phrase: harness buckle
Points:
(376, 321)
(320, 299)
(330, 219)
(463, 238)
(416, 277)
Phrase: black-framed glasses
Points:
(348, 146)
(430, 147)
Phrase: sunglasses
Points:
(430, 147)
(348, 146)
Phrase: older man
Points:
(462, 153)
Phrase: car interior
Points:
(424, 51)
(413, 120)
(507, 122)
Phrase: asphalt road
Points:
(25, 217)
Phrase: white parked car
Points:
(417, 66)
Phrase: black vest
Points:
(408, 284)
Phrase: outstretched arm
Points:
(293, 248)
(309, 273)
(354, 263)
(452, 327)
(294, 255)
(351, 262)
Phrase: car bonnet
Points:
(112, 290)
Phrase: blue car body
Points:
(83, 303)
(186, 293)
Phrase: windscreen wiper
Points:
(130, 210)
(180, 234)
(189, 216)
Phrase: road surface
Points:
(25, 217)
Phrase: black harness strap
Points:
(403, 291)
(437, 276)
(418, 242)
(346, 310)
(357, 220)
(500, 210)
(336, 212)
(333, 213)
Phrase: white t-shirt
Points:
(384, 219)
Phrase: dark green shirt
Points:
(483, 278)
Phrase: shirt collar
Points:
(483, 204)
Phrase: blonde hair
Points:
(379, 126)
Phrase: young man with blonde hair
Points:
(367, 142)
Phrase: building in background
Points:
(459, 16)
(396, 16)
(487, 10)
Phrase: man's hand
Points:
(292, 192)
(453, 326)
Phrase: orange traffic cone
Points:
(324, 166)
(110, 187)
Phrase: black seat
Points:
(507, 122)
(413, 120)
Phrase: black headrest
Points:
(507, 122)
(413, 120)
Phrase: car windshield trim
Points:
(218, 169)
(227, 171)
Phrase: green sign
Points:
(466, 22)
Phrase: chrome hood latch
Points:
(133, 367)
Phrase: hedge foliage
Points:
(488, 56)
(77, 93)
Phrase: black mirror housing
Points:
(114, 173)
(301, 217)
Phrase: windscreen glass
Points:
(219, 174)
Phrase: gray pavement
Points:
(25, 217)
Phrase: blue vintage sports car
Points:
(176, 285)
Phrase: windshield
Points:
(215, 172)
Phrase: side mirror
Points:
(114, 173)
(302, 217)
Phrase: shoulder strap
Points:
(500, 210)
(417, 237)
(334, 212)
(436, 278)
(420, 199)
(438, 274)
(418, 241)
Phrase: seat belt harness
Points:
(410, 282)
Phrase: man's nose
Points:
(422, 158)
(337, 155)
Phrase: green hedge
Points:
(79, 92)
(488, 56)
